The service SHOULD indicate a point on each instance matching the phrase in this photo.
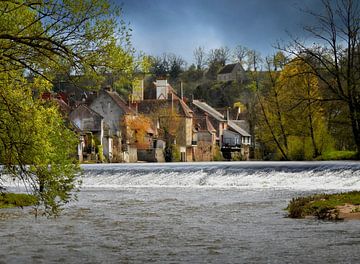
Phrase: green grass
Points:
(322, 206)
(8, 200)
(338, 155)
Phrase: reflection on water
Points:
(165, 214)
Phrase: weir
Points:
(242, 175)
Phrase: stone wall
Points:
(151, 155)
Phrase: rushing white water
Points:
(242, 175)
(188, 213)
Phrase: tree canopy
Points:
(39, 40)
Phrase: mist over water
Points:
(188, 213)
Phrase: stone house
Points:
(90, 127)
(204, 138)
(231, 72)
(114, 110)
(236, 139)
(230, 137)
(171, 117)
(217, 119)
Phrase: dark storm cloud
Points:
(180, 26)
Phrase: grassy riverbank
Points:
(326, 206)
(338, 155)
(8, 200)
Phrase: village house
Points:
(171, 116)
(231, 72)
(114, 110)
(144, 135)
(201, 108)
(230, 137)
(204, 138)
(90, 127)
(195, 130)
(236, 139)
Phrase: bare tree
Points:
(253, 60)
(200, 57)
(335, 59)
(219, 56)
(240, 53)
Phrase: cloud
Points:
(180, 26)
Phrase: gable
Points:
(227, 69)
(86, 119)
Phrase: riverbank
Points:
(9, 200)
(340, 206)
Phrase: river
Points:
(188, 213)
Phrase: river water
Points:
(189, 213)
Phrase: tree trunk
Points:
(354, 110)
(312, 134)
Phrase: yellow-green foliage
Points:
(217, 154)
(84, 36)
(33, 133)
(292, 123)
(8, 200)
(101, 153)
(322, 206)
(338, 155)
(175, 153)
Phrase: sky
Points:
(179, 26)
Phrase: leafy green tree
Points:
(306, 108)
(36, 147)
(334, 56)
(42, 39)
(293, 121)
(272, 103)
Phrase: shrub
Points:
(16, 200)
(321, 206)
(217, 154)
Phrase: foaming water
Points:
(188, 213)
(242, 175)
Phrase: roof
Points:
(90, 111)
(186, 109)
(75, 127)
(208, 109)
(227, 68)
(238, 129)
(148, 106)
(120, 102)
(85, 119)
(243, 124)
(204, 122)
(64, 107)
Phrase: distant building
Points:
(231, 72)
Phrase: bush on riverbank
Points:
(321, 206)
(338, 155)
(8, 200)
